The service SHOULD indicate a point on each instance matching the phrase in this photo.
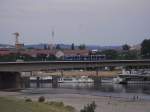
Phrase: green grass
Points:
(15, 105)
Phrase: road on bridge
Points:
(47, 65)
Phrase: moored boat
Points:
(132, 77)
(82, 79)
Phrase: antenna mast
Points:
(16, 37)
(51, 45)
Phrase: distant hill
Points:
(6, 46)
(64, 46)
(35, 46)
(67, 46)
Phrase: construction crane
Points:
(16, 36)
(18, 45)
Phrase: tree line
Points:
(125, 54)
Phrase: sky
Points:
(92, 22)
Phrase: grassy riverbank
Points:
(15, 105)
(77, 73)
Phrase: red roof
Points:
(35, 52)
(2, 53)
(76, 52)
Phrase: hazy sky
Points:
(100, 22)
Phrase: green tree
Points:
(10, 58)
(41, 57)
(45, 46)
(110, 54)
(82, 47)
(58, 47)
(72, 46)
(125, 47)
(89, 108)
(145, 48)
(129, 55)
(51, 58)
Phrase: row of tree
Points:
(120, 55)
(145, 49)
(24, 57)
(73, 47)
(125, 53)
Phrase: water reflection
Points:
(104, 87)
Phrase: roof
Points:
(76, 52)
(35, 52)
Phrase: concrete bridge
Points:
(47, 65)
(10, 71)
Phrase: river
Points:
(103, 89)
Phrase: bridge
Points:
(10, 71)
(47, 65)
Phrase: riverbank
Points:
(77, 73)
(104, 104)
(91, 73)
(11, 104)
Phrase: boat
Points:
(40, 78)
(133, 77)
(118, 80)
(106, 80)
(82, 79)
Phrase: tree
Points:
(145, 48)
(110, 54)
(72, 46)
(129, 55)
(10, 57)
(89, 108)
(41, 56)
(58, 47)
(82, 47)
(45, 47)
(51, 58)
(125, 47)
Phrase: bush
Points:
(70, 108)
(60, 104)
(89, 108)
(41, 99)
(28, 100)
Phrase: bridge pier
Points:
(54, 81)
(10, 80)
(38, 82)
(62, 74)
(25, 82)
(96, 78)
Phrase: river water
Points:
(103, 89)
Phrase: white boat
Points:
(133, 77)
(66, 79)
(41, 78)
(117, 80)
(106, 80)
(82, 79)
(33, 78)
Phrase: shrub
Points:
(28, 100)
(60, 104)
(41, 99)
(89, 108)
(70, 108)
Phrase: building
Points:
(85, 58)
(67, 55)
(19, 46)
